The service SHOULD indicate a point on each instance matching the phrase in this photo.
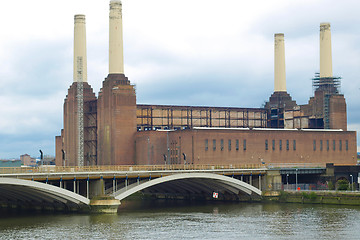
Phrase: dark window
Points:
(221, 144)
(314, 145)
(273, 144)
(237, 144)
(321, 145)
(229, 145)
(214, 144)
(347, 145)
(327, 145)
(206, 144)
(340, 145)
(287, 145)
(244, 144)
(280, 145)
(266, 145)
(294, 144)
(334, 145)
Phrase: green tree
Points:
(343, 185)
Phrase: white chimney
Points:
(279, 65)
(80, 62)
(116, 56)
(325, 51)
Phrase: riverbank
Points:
(313, 197)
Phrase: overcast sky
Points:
(188, 52)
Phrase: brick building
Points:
(113, 129)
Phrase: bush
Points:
(312, 196)
(283, 196)
(343, 185)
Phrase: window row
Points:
(229, 144)
(286, 144)
(333, 145)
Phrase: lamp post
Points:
(296, 179)
(287, 181)
(352, 182)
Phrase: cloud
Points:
(208, 53)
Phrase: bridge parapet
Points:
(125, 168)
(131, 168)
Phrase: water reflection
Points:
(180, 220)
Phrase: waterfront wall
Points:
(314, 197)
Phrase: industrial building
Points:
(112, 129)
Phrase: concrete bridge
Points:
(101, 188)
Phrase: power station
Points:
(112, 129)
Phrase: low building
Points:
(237, 146)
(27, 160)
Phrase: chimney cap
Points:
(79, 16)
(324, 23)
(279, 34)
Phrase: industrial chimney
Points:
(279, 63)
(325, 51)
(116, 56)
(80, 62)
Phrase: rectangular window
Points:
(273, 144)
(327, 145)
(314, 145)
(266, 145)
(237, 144)
(280, 145)
(206, 144)
(287, 144)
(244, 144)
(229, 145)
(321, 145)
(221, 144)
(214, 144)
(340, 145)
(347, 145)
(334, 144)
(294, 144)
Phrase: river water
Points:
(161, 220)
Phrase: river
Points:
(161, 220)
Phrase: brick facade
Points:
(245, 146)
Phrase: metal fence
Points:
(302, 186)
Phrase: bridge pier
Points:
(104, 204)
(96, 188)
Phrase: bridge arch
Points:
(28, 193)
(206, 181)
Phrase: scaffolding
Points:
(80, 112)
(153, 117)
(90, 132)
(330, 85)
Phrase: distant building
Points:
(27, 160)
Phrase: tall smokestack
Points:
(80, 62)
(116, 56)
(325, 51)
(279, 67)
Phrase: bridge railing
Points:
(296, 165)
(125, 168)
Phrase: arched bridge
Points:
(59, 189)
(190, 184)
(30, 194)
